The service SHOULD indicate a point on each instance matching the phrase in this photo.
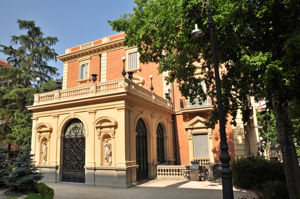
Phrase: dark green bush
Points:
(274, 190)
(4, 167)
(33, 196)
(253, 172)
(24, 175)
(44, 191)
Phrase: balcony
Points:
(102, 90)
(186, 106)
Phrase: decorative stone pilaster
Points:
(43, 135)
(106, 129)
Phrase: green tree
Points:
(24, 175)
(258, 42)
(29, 54)
(4, 169)
(266, 120)
(294, 110)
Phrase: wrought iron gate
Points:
(160, 144)
(74, 152)
(141, 151)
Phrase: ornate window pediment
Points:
(106, 125)
(43, 130)
(196, 123)
(200, 140)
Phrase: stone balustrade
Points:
(100, 89)
(202, 161)
(172, 171)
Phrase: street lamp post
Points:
(123, 71)
(38, 79)
(151, 86)
(224, 156)
(94, 77)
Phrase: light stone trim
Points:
(166, 87)
(65, 75)
(94, 49)
(121, 85)
(43, 131)
(172, 172)
(103, 66)
(129, 51)
(197, 126)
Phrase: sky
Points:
(73, 22)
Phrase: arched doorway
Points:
(141, 151)
(160, 144)
(74, 152)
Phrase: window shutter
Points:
(86, 75)
(200, 145)
(132, 60)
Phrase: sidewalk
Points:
(154, 189)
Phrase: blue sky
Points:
(74, 22)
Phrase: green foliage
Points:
(50, 86)
(294, 110)
(29, 54)
(29, 58)
(253, 172)
(33, 196)
(45, 191)
(268, 132)
(23, 175)
(274, 190)
(42, 192)
(4, 168)
(12, 194)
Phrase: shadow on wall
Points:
(216, 148)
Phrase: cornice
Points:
(92, 50)
(193, 110)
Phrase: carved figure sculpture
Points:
(44, 152)
(108, 152)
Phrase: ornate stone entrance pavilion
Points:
(110, 134)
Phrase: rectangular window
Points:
(198, 102)
(200, 142)
(84, 71)
(132, 61)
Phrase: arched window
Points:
(160, 144)
(141, 151)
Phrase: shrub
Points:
(33, 196)
(42, 192)
(45, 191)
(24, 175)
(4, 168)
(253, 172)
(274, 190)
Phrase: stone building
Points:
(107, 129)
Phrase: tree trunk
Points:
(8, 150)
(289, 156)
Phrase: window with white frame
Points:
(84, 71)
(198, 102)
(133, 61)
